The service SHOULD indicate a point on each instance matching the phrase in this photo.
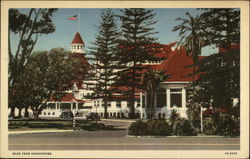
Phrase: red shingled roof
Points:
(77, 39)
(68, 97)
(176, 66)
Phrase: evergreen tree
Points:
(136, 44)
(220, 72)
(104, 58)
(222, 26)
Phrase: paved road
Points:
(115, 140)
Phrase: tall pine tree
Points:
(136, 47)
(104, 62)
(222, 26)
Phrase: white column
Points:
(141, 104)
(168, 97)
(71, 106)
(76, 106)
(183, 92)
(145, 107)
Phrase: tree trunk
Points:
(26, 113)
(105, 109)
(19, 112)
(12, 111)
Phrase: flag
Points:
(73, 18)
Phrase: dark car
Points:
(66, 115)
(93, 116)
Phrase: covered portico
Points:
(169, 96)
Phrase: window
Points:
(163, 115)
(175, 97)
(53, 113)
(48, 113)
(114, 114)
(143, 101)
(74, 105)
(110, 114)
(80, 105)
(118, 103)
(51, 105)
(175, 90)
(65, 106)
(159, 115)
(138, 103)
(77, 47)
(44, 113)
(161, 98)
(109, 104)
(101, 114)
(175, 100)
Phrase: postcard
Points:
(124, 79)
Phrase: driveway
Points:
(116, 140)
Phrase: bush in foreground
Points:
(182, 127)
(158, 127)
(138, 128)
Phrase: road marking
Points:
(114, 144)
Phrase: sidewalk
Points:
(37, 131)
(120, 120)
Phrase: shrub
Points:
(209, 127)
(222, 124)
(183, 127)
(159, 127)
(138, 128)
(228, 125)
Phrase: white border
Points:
(244, 140)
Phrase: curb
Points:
(132, 136)
(128, 121)
(37, 132)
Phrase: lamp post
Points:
(96, 113)
(201, 120)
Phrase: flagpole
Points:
(78, 22)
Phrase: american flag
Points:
(73, 18)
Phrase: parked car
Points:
(80, 116)
(66, 115)
(93, 116)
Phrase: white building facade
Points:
(171, 94)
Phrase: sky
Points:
(89, 19)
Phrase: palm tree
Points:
(150, 81)
(192, 37)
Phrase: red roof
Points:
(77, 39)
(124, 88)
(176, 66)
(68, 97)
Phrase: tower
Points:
(77, 45)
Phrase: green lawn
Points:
(19, 125)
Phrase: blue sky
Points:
(89, 20)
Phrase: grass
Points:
(28, 124)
